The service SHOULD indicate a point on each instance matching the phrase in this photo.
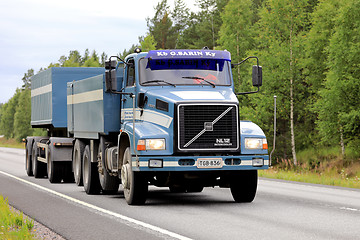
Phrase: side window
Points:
(130, 81)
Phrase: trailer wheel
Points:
(28, 165)
(77, 161)
(53, 169)
(243, 185)
(134, 183)
(90, 174)
(38, 168)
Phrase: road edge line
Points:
(102, 210)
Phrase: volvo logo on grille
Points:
(223, 142)
(208, 126)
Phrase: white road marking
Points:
(102, 210)
(350, 209)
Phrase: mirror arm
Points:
(244, 93)
(237, 64)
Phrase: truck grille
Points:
(208, 127)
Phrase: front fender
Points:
(250, 129)
(147, 130)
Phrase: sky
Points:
(35, 33)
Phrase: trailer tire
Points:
(243, 185)
(109, 184)
(28, 163)
(38, 168)
(135, 184)
(77, 161)
(90, 174)
(53, 169)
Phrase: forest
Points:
(309, 51)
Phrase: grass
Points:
(321, 166)
(12, 143)
(13, 225)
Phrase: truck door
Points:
(129, 87)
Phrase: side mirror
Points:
(142, 99)
(257, 76)
(110, 80)
(110, 64)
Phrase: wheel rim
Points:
(125, 179)
(49, 169)
(86, 171)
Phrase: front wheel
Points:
(243, 185)
(134, 183)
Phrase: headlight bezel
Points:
(255, 143)
(154, 144)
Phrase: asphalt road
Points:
(281, 210)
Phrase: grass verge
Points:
(14, 225)
(12, 143)
(321, 166)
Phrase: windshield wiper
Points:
(159, 81)
(202, 79)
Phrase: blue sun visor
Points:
(187, 59)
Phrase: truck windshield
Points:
(219, 75)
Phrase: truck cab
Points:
(180, 125)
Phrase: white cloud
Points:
(35, 33)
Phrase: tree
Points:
(338, 107)
(236, 32)
(93, 61)
(281, 28)
(74, 59)
(22, 116)
(160, 26)
(148, 43)
(179, 17)
(7, 118)
(27, 79)
(203, 27)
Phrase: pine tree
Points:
(160, 26)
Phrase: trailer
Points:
(168, 118)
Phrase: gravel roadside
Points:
(40, 231)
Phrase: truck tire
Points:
(68, 174)
(53, 169)
(109, 184)
(77, 161)
(90, 174)
(243, 185)
(38, 168)
(134, 183)
(28, 162)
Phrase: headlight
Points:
(256, 143)
(151, 144)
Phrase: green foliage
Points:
(160, 26)
(7, 118)
(14, 225)
(27, 79)
(22, 116)
(202, 28)
(338, 105)
(237, 35)
(148, 43)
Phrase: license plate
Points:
(209, 163)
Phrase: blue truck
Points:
(168, 118)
